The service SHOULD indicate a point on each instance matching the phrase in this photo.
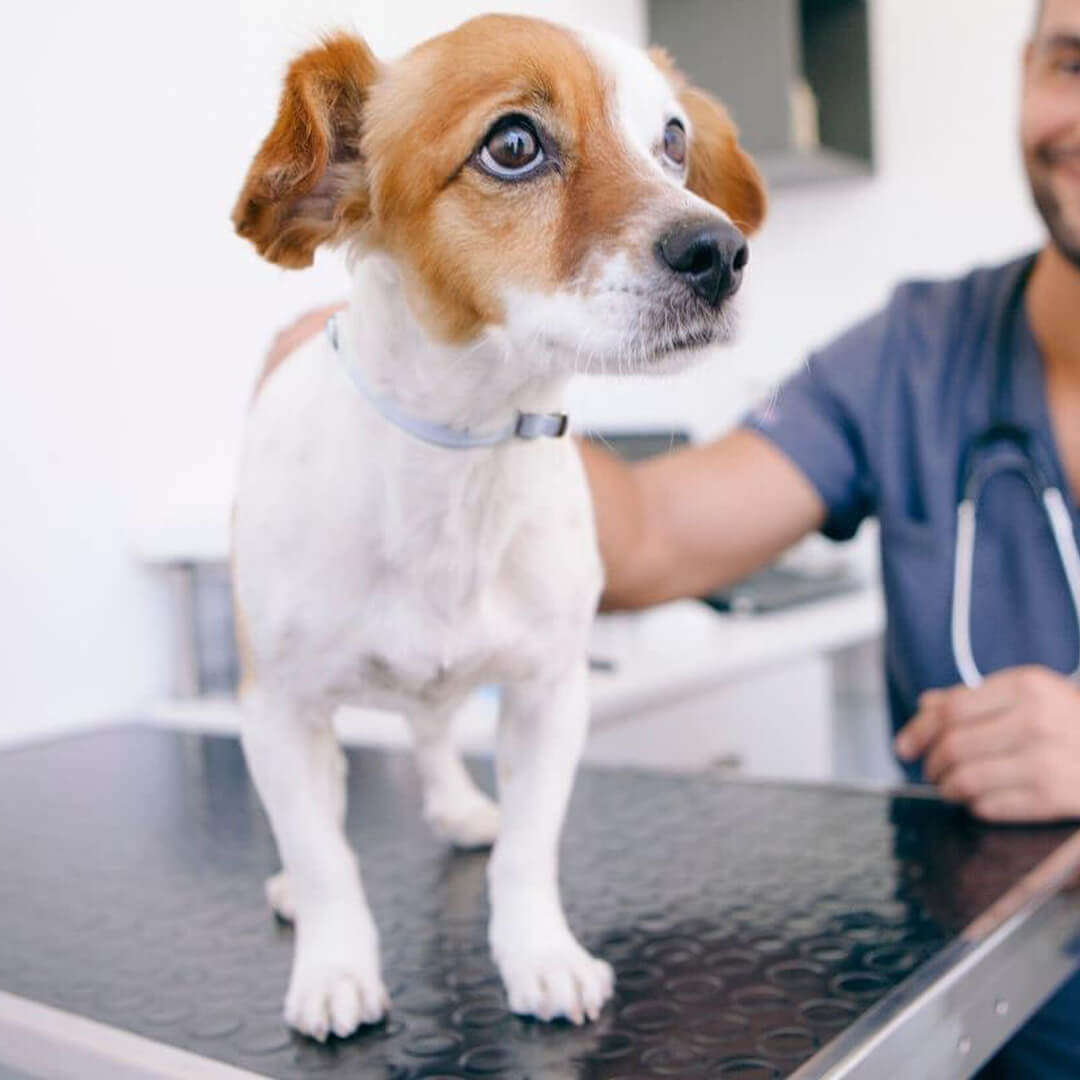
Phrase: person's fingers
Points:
(963, 704)
(1012, 805)
(973, 781)
(992, 736)
(941, 710)
(919, 732)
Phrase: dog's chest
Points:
(428, 649)
(370, 565)
(496, 586)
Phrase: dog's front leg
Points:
(541, 733)
(299, 771)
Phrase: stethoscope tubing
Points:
(1057, 513)
(1035, 470)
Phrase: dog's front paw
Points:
(335, 985)
(551, 976)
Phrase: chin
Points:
(678, 348)
(680, 357)
(667, 341)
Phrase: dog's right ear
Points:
(308, 184)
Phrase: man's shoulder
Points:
(923, 310)
(927, 320)
(930, 330)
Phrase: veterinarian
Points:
(959, 392)
(902, 418)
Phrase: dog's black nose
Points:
(709, 257)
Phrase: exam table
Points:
(757, 930)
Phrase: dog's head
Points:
(570, 190)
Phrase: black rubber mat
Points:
(747, 924)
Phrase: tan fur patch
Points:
(465, 234)
(720, 171)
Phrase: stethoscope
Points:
(1005, 447)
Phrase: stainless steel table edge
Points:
(955, 1011)
(53, 1044)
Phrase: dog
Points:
(520, 203)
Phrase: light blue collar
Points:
(523, 426)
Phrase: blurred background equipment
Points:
(795, 73)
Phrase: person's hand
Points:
(1009, 749)
(296, 333)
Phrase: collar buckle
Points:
(541, 425)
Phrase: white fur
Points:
(375, 569)
(644, 99)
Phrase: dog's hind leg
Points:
(299, 771)
(541, 734)
(454, 806)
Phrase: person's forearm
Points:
(691, 521)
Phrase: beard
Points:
(1065, 235)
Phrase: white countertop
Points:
(670, 653)
(682, 648)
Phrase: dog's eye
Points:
(675, 143)
(512, 149)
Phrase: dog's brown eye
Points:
(675, 143)
(512, 149)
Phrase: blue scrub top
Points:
(879, 421)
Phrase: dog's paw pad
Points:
(470, 820)
(279, 895)
(560, 980)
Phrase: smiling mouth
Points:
(1068, 165)
(1063, 159)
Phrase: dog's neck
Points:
(480, 386)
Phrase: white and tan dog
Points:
(521, 203)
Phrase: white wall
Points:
(131, 320)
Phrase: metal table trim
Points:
(58, 1045)
(963, 1004)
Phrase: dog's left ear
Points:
(308, 184)
(720, 170)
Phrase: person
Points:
(882, 423)
(891, 420)
(878, 423)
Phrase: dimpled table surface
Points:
(748, 924)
